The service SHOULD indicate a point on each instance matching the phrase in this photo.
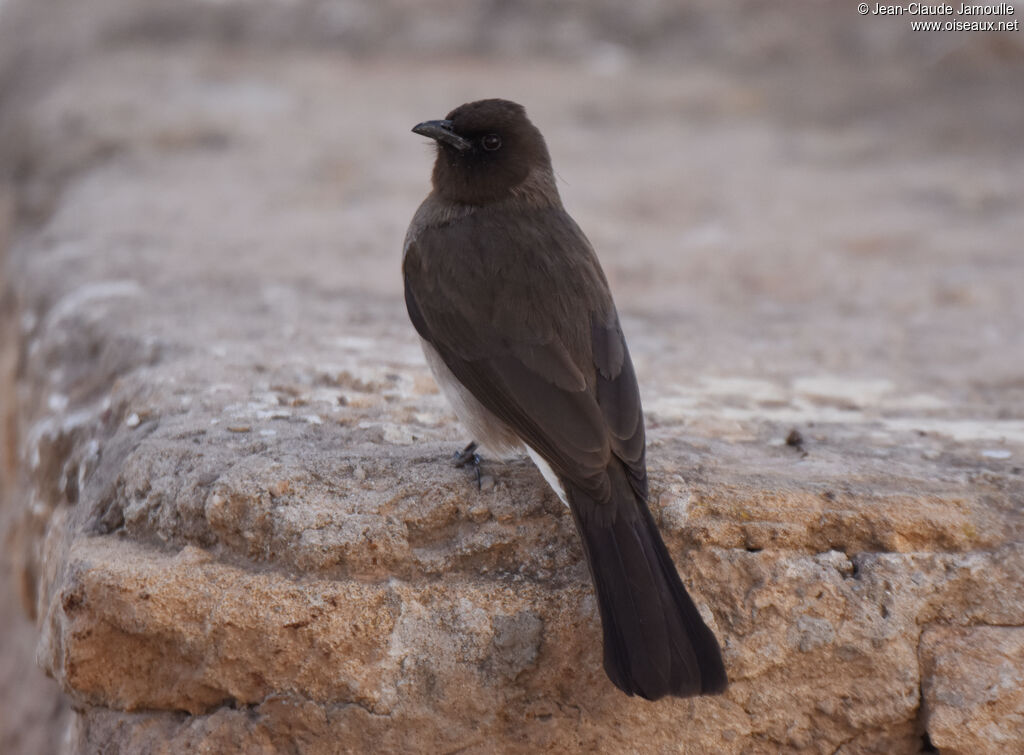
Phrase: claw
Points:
(468, 455)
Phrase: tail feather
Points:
(655, 642)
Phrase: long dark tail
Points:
(655, 642)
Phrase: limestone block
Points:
(973, 688)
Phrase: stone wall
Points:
(228, 515)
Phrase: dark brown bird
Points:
(520, 330)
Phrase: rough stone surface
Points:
(227, 507)
(973, 687)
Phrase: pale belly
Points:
(498, 440)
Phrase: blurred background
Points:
(775, 189)
(785, 153)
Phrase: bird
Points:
(518, 326)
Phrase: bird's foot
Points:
(468, 455)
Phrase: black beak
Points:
(442, 132)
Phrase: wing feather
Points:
(555, 369)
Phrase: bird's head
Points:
(485, 151)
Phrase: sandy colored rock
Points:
(228, 506)
(973, 687)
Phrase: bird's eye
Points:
(491, 142)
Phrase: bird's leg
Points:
(468, 455)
